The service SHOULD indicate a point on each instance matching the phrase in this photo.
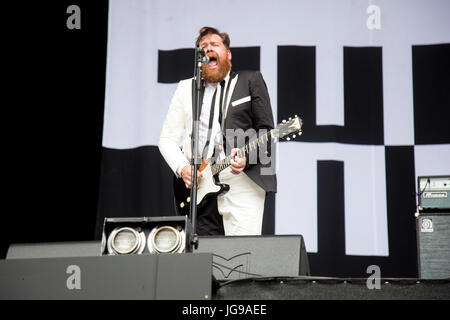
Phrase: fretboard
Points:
(245, 150)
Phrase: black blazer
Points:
(249, 108)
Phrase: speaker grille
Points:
(434, 245)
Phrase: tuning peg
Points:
(284, 121)
(188, 199)
(296, 116)
(182, 205)
(294, 136)
(288, 139)
(300, 133)
(290, 118)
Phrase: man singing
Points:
(233, 102)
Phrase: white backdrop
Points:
(136, 104)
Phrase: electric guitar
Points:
(209, 185)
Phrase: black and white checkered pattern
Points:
(374, 123)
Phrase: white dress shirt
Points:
(210, 88)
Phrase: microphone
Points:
(205, 59)
(202, 58)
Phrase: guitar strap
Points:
(223, 102)
(222, 111)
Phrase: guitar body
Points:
(208, 186)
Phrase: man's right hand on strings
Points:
(186, 175)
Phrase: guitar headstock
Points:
(291, 127)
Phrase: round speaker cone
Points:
(125, 241)
(166, 239)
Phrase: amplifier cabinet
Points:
(433, 244)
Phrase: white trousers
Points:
(242, 207)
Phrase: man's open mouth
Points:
(212, 62)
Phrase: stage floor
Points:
(319, 288)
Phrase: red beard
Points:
(218, 74)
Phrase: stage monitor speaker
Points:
(237, 257)
(146, 235)
(433, 244)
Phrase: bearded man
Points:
(236, 102)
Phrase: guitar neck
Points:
(250, 147)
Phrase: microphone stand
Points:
(200, 58)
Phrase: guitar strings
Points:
(225, 163)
